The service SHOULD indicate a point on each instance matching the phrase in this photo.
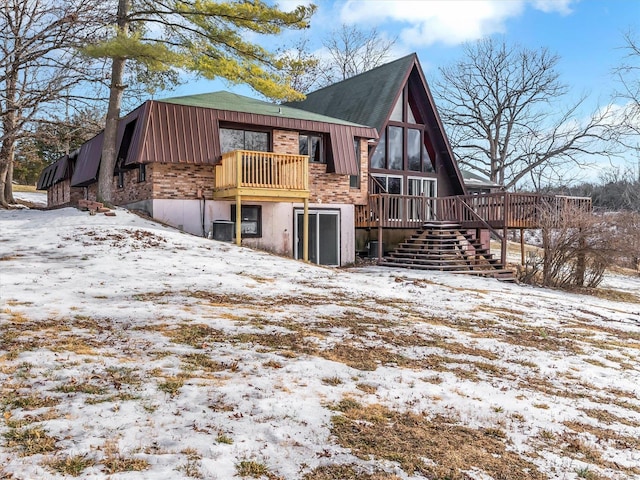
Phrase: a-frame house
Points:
(418, 207)
(411, 162)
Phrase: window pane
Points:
(427, 165)
(315, 154)
(303, 145)
(395, 148)
(379, 184)
(414, 185)
(394, 185)
(354, 180)
(251, 218)
(257, 141)
(411, 118)
(413, 149)
(396, 115)
(378, 158)
(231, 139)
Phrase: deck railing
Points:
(496, 210)
(263, 170)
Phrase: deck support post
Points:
(505, 229)
(238, 220)
(380, 213)
(305, 231)
(504, 247)
(522, 259)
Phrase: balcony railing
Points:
(495, 210)
(249, 172)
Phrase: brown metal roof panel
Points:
(344, 154)
(43, 180)
(140, 115)
(88, 162)
(61, 169)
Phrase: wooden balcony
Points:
(493, 210)
(262, 176)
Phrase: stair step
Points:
(446, 247)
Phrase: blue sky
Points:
(586, 34)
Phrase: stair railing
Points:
(467, 208)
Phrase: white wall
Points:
(277, 222)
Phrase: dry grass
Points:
(24, 188)
(30, 440)
(346, 472)
(27, 401)
(72, 465)
(408, 439)
(254, 469)
(115, 462)
(196, 335)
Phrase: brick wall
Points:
(132, 190)
(326, 187)
(286, 141)
(333, 188)
(59, 194)
(180, 181)
(77, 193)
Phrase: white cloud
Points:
(551, 6)
(444, 21)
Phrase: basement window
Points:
(251, 226)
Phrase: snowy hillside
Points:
(131, 350)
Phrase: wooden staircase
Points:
(445, 246)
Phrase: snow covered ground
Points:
(38, 199)
(131, 350)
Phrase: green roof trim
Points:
(239, 103)
(366, 98)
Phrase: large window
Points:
(403, 144)
(235, 139)
(251, 226)
(311, 145)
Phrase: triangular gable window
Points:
(404, 144)
(396, 114)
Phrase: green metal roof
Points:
(366, 98)
(239, 103)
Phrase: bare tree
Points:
(39, 68)
(352, 51)
(629, 75)
(503, 106)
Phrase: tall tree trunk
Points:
(7, 154)
(7, 150)
(108, 159)
(8, 186)
(4, 171)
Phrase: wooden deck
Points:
(262, 176)
(493, 210)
